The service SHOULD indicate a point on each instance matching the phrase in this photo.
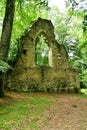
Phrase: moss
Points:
(26, 76)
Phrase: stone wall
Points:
(27, 76)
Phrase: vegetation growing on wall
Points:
(70, 28)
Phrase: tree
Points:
(68, 30)
(59, 21)
(6, 37)
(7, 32)
(25, 12)
(79, 60)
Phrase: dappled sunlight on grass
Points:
(26, 110)
(84, 91)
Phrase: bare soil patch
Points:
(69, 112)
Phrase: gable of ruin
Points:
(28, 76)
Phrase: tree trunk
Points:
(1, 85)
(6, 35)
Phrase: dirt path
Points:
(68, 113)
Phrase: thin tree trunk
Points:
(6, 35)
(1, 85)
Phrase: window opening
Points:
(24, 51)
(42, 51)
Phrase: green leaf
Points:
(4, 66)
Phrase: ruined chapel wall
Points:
(27, 76)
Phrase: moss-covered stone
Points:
(57, 76)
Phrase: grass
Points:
(22, 113)
(84, 91)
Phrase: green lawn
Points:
(17, 113)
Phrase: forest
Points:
(39, 110)
(70, 30)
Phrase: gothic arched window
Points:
(42, 52)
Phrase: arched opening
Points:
(41, 51)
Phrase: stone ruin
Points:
(57, 76)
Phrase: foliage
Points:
(84, 91)
(59, 21)
(4, 66)
(69, 29)
(25, 13)
(13, 52)
(2, 11)
(79, 35)
(42, 52)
